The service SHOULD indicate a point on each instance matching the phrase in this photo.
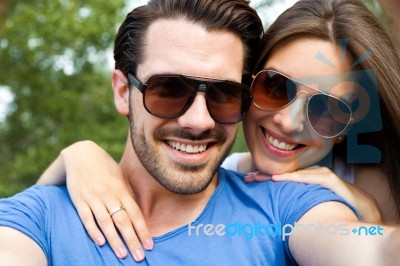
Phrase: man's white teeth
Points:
(280, 144)
(187, 147)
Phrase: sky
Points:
(268, 16)
(5, 100)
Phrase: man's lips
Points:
(188, 148)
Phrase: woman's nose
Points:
(291, 119)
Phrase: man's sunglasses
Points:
(328, 115)
(170, 96)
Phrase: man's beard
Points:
(178, 178)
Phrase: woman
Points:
(302, 111)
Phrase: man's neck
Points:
(162, 209)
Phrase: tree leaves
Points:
(52, 59)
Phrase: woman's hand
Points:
(99, 191)
(323, 176)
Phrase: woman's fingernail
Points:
(148, 244)
(138, 255)
(252, 173)
(248, 178)
(100, 241)
(275, 176)
(121, 251)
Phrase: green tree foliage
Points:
(52, 58)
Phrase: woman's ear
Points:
(121, 92)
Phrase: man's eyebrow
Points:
(146, 78)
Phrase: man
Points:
(178, 70)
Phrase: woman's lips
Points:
(280, 146)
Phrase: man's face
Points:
(183, 154)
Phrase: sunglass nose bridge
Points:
(302, 91)
(202, 87)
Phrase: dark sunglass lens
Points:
(272, 90)
(328, 116)
(167, 96)
(227, 102)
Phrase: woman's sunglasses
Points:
(328, 115)
(170, 96)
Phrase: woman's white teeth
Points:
(280, 144)
(187, 147)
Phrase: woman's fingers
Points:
(319, 176)
(130, 223)
(88, 214)
(88, 199)
(98, 190)
(256, 176)
(365, 204)
(89, 223)
(106, 224)
(110, 220)
(138, 221)
(124, 225)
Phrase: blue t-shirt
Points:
(240, 225)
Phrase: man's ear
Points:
(121, 92)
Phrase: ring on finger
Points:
(115, 210)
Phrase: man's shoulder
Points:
(36, 199)
(41, 192)
(274, 193)
(47, 216)
(234, 178)
(227, 173)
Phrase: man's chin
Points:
(191, 184)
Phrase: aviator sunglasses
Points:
(170, 96)
(328, 115)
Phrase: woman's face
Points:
(283, 140)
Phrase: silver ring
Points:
(117, 209)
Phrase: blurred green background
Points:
(55, 64)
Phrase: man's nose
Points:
(197, 118)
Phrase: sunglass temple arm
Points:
(135, 82)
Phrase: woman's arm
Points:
(98, 189)
(372, 179)
(357, 194)
(362, 201)
(54, 174)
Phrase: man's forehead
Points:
(183, 47)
